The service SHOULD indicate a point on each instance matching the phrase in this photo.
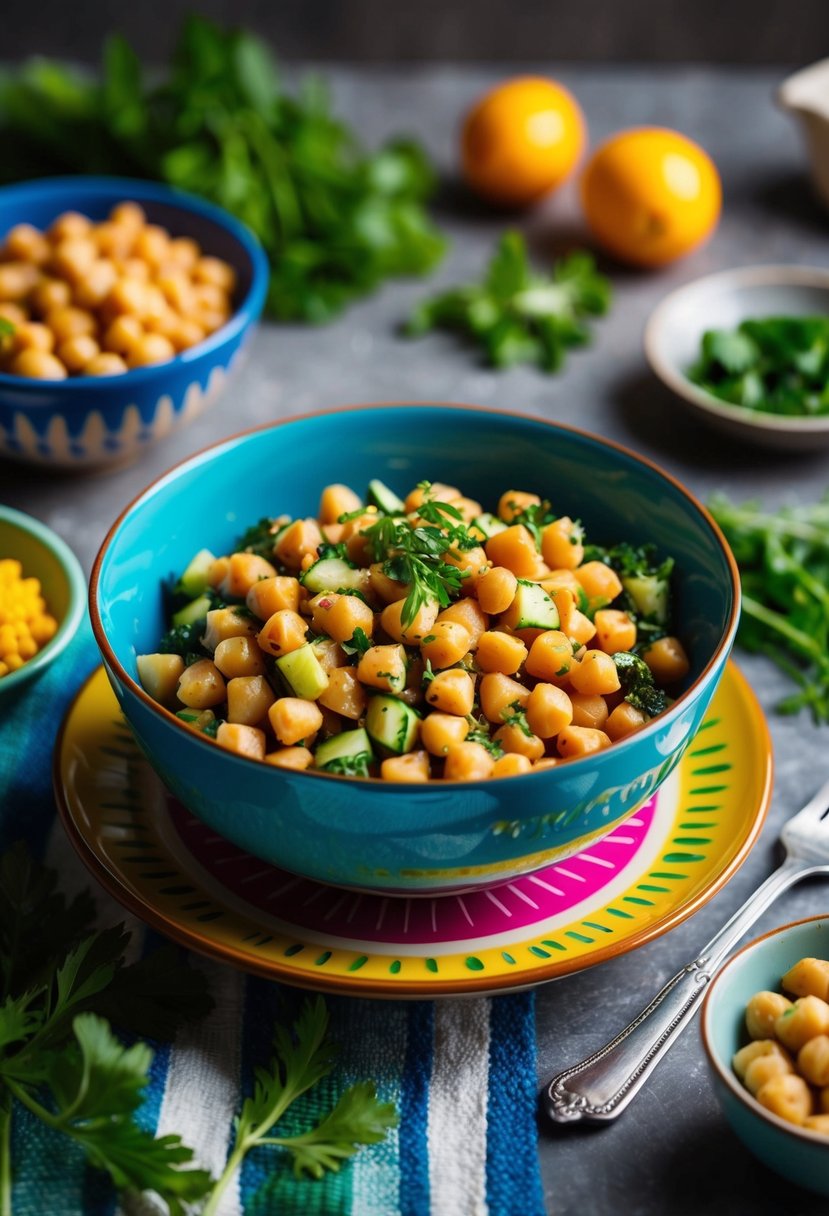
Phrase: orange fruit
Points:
(651, 195)
(521, 140)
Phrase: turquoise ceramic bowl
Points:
(368, 833)
(44, 556)
(800, 1156)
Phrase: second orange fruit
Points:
(651, 195)
(521, 140)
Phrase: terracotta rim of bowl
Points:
(726, 1074)
(664, 369)
(75, 582)
(193, 940)
(313, 775)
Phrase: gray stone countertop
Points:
(672, 1153)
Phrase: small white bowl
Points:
(721, 301)
(805, 95)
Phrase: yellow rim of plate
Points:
(722, 794)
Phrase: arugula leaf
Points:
(518, 316)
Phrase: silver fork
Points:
(599, 1088)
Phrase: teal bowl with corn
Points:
(42, 555)
(407, 837)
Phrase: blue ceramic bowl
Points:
(89, 421)
(799, 1155)
(368, 833)
(46, 557)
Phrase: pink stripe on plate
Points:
(308, 905)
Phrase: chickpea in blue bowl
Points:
(123, 307)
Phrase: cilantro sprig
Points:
(62, 987)
(784, 568)
(60, 982)
(518, 316)
(412, 552)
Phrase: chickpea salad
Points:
(418, 638)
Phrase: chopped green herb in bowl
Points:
(778, 365)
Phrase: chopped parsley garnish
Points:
(259, 538)
(358, 643)
(340, 550)
(535, 518)
(517, 717)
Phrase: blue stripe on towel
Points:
(414, 1111)
(512, 1176)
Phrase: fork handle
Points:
(599, 1088)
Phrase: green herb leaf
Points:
(518, 316)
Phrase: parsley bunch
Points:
(334, 220)
(778, 365)
(61, 982)
(784, 568)
(518, 316)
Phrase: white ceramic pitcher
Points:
(806, 95)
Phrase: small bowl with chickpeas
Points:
(442, 647)
(123, 307)
(765, 1028)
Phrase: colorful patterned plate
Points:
(643, 878)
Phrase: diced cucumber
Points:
(194, 580)
(332, 574)
(348, 744)
(489, 525)
(196, 610)
(302, 672)
(532, 608)
(650, 595)
(391, 724)
(379, 495)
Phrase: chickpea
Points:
(216, 272)
(38, 365)
(135, 268)
(32, 335)
(15, 314)
(76, 353)
(184, 252)
(107, 363)
(152, 244)
(73, 257)
(25, 243)
(183, 333)
(96, 283)
(130, 215)
(17, 280)
(123, 335)
(67, 323)
(762, 1011)
(70, 224)
(113, 240)
(152, 348)
(787, 1096)
(51, 294)
(127, 296)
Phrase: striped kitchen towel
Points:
(461, 1073)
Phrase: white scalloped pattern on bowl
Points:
(95, 444)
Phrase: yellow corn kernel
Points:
(25, 623)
